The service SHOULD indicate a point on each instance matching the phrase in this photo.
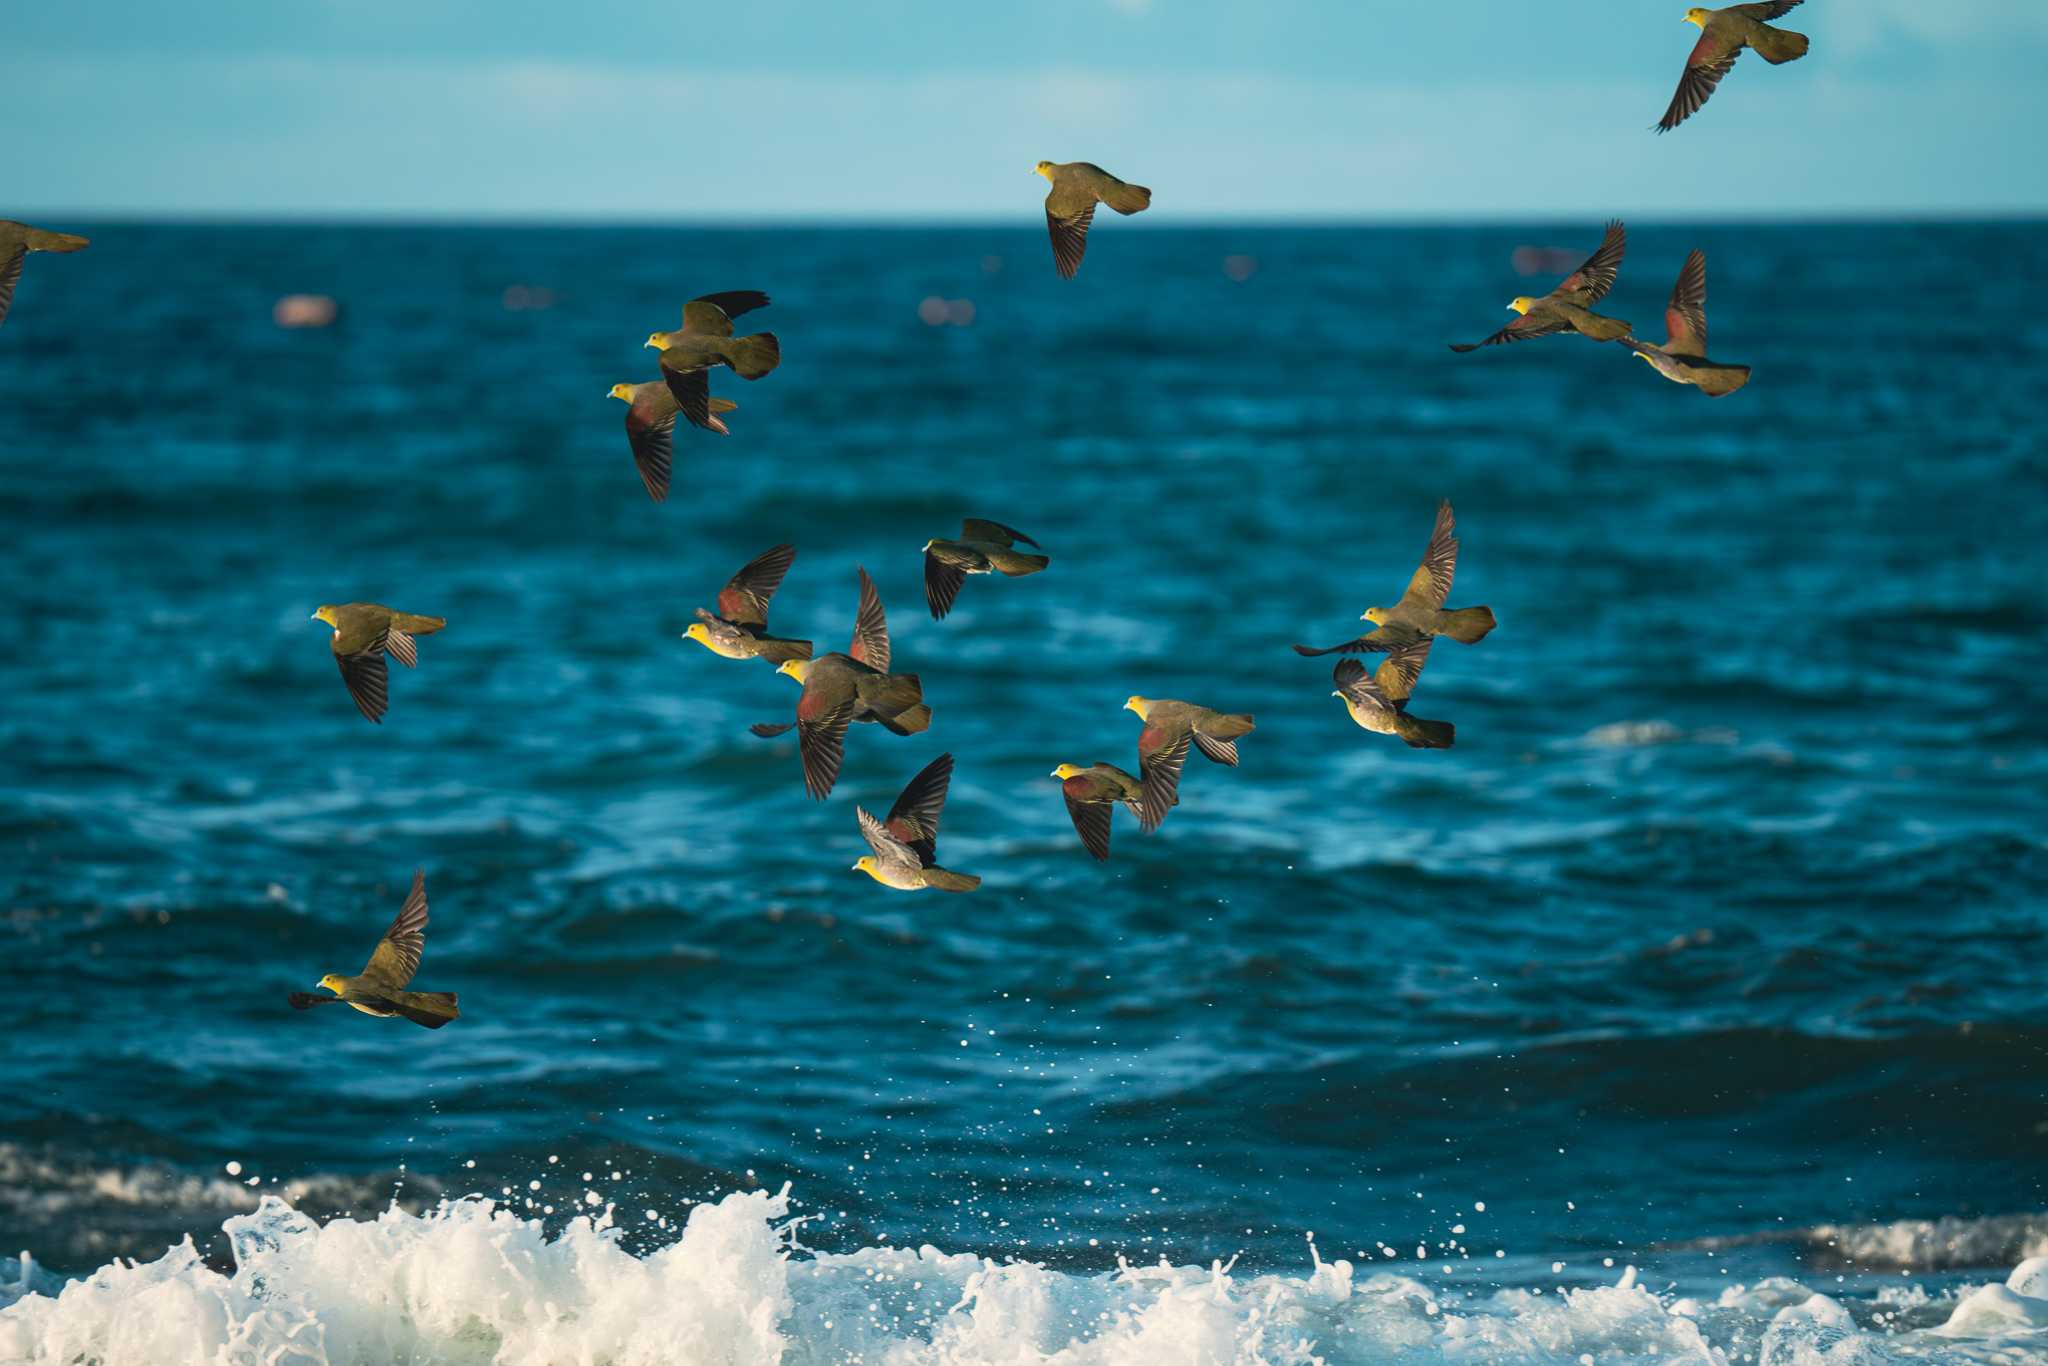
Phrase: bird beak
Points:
(853, 867)
(314, 617)
(650, 342)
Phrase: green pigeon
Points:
(1723, 35)
(381, 987)
(739, 628)
(17, 240)
(1077, 187)
(1420, 613)
(1170, 727)
(364, 633)
(983, 547)
(906, 845)
(1379, 701)
(1569, 307)
(1682, 358)
(1092, 794)
(705, 340)
(840, 689)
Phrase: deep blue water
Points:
(1724, 917)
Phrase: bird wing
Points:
(1521, 329)
(1685, 318)
(1711, 59)
(1769, 9)
(1091, 818)
(870, 628)
(1431, 586)
(651, 432)
(1353, 681)
(712, 314)
(1069, 210)
(367, 679)
(914, 819)
(1160, 759)
(1398, 674)
(980, 529)
(10, 276)
(691, 390)
(941, 584)
(744, 599)
(1589, 284)
(821, 739)
(887, 847)
(397, 955)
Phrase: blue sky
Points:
(936, 109)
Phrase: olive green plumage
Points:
(840, 689)
(1077, 187)
(364, 633)
(1420, 613)
(1170, 727)
(739, 628)
(906, 845)
(1092, 794)
(381, 988)
(1379, 701)
(706, 340)
(984, 547)
(1682, 358)
(17, 240)
(651, 429)
(1723, 35)
(1569, 307)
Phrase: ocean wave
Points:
(471, 1282)
(1904, 1244)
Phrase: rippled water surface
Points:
(1722, 921)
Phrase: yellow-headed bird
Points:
(906, 845)
(380, 988)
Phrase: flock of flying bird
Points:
(858, 685)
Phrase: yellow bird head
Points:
(866, 864)
(624, 391)
(1066, 771)
(326, 614)
(929, 544)
(1522, 304)
(657, 340)
(696, 632)
(1376, 615)
(1138, 705)
(332, 981)
(795, 668)
(1696, 15)
(1043, 168)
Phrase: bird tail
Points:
(38, 240)
(417, 625)
(1468, 625)
(899, 705)
(753, 357)
(723, 405)
(1717, 380)
(1778, 45)
(1606, 329)
(1421, 734)
(1128, 198)
(1016, 565)
(430, 1008)
(776, 650)
(947, 881)
(1228, 727)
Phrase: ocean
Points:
(1689, 1008)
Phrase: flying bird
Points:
(1683, 356)
(1092, 794)
(983, 547)
(907, 844)
(17, 240)
(1170, 727)
(705, 340)
(1379, 701)
(1723, 35)
(1077, 187)
(1420, 613)
(739, 628)
(1569, 307)
(380, 988)
(651, 429)
(364, 633)
(843, 688)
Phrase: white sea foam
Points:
(469, 1282)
